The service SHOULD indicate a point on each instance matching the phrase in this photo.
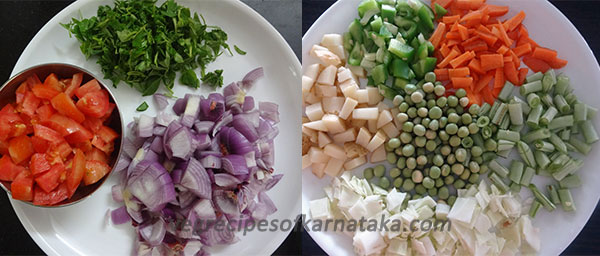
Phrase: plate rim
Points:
(257, 17)
(546, 4)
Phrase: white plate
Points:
(82, 229)
(550, 28)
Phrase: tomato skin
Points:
(94, 171)
(94, 104)
(40, 145)
(8, 170)
(41, 197)
(76, 172)
(52, 82)
(50, 179)
(91, 86)
(38, 164)
(29, 104)
(74, 85)
(80, 136)
(43, 132)
(20, 148)
(44, 92)
(65, 105)
(45, 112)
(63, 124)
(109, 110)
(22, 187)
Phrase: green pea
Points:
(458, 169)
(410, 88)
(451, 200)
(445, 150)
(474, 167)
(474, 178)
(439, 182)
(435, 112)
(398, 151)
(474, 109)
(417, 196)
(402, 117)
(473, 128)
(458, 184)
(439, 90)
(408, 150)
(476, 151)
(394, 143)
(430, 103)
(477, 159)
(379, 170)
(425, 122)
(421, 160)
(443, 135)
(411, 163)
(391, 157)
(441, 101)
(435, 172)
(438, 160)
(450, 111)
(466, 118)
(384, 182)
(420, 189)
(465, 175)
(416, 120)
(398, 99)
(368, 173)
(412, 112)
(395, 172)
(453, 118)
(461, 154)
(451, 128)
(449, 180)
(443, 121)
(420, 141)
(430, 78)
(483, 168)
(419, 130)
(454, 141)
(408, 185)
(407, 126)
(463, 131)
(451, 159)
(387, 148)
(434, 125)
(490, 144)
(452, 101)
(460, 93)
(403, 107)
(431, 145)
(398, 182)
(445, 170)
(459, 110)
(428, 183)
(406, 173)
(405, 137)
(422, 112)
(443, 193)
(416, 97)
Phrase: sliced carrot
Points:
(502, 50)
(441, 74)
(513, 35)
(516, 59)
(475, 65)
(459, 72)
(462, 59)
(448, 58)
(489, 38)
(444, 50)
(462, 82)
(558, 63)
(499, 77)
(522, 75)
(507, 59)
(483, 82)
(496, 92)
(468, 4)
(483, 28)
(523, 31)
(487, 96)
(474, 98)
(443, 3)
(515, 21)
(545, 54)
(472, 15)
(462, 31)
(491, 61)
(522, 49)
(497, 10)
(470, 40)
(454, 27)
(536, 65)
(453, 36)
(450, 19)
(504, 35)
(453, 42)
(437, 35)
(477, 46)
(511, 72)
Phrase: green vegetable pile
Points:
(390, 42)
(143, 44)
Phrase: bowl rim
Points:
(122, 135)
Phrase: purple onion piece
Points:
(153, 187)
(120, 216)
(196, 179)
(250, 78)
(161, 101)
(145, 126)
(153, 234)
(248, 104)
(211, 161)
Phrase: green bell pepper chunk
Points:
(429, 47)
(404, 10)
(424, 18)
(377, 23)
(379, 74)
(406, 27)
(347, 41)
(370, 81)
(423, 66)
(414, 43)
(377, 39)
(388, 12)
(356, 30)
(387, 92)
(401, 50)
(401, 69)
(439, 10)
(422, 51)
(385, 32)
(356, 55)
(400, 83)
(367, 5)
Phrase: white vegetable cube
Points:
(318, 169)
(323, 139)
(333, 105)
(344, 75)
(312, 71)
(312, 134)
(441, 211)
(362, 95)
(357, 71)
(316, 48)
(332, 40)
(390, 130)
(394, 200)
(364, 137)
(318, 125)
(355, 162)
(338, 50)
(327, 76)
(335, 151)
(311, 97)
(346, 136)
(317, 155)
(462, 210)
(374, 96)
(307, 84)
(347, 108)
(325, 56)
(333, 123)
(306, 161)
(314, 112)
(365, 113)
(320, 209)
(324, 91)
(368, 243)
(358, 123)
(398, 246)
(334, 167)
(376, 141)
(384, 118)
(349, 89)
(378, 155)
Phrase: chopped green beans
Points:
(542, 198)
(535, 206)
(566, 200)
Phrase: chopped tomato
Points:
(51, 179)
(39, 145)
(92, 123)
(20, 148)
(96, 154)
(30, 104)
(52, 82)
(41, 197)
(76, 172)
(80, 136)
(22, 187)
(45, 112)
(63, 124)
(20, 92)
(111, 108)
(94, 171)
(38, 164)
(44, 92)
(63, 150)
(8, 170)
(50, 135)
(106, 147)
(107, 134)
(65, 105)
(91, 86)
(94, 104)
(3, 147)
(84, 146)
(8, 121)
(74, 85)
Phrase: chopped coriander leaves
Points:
(238, 50)
(214, 79)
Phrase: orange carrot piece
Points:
(482, 28)
(504, 35)
(513, 35)
(545, 54)
(477, 46)
(453, 42)
(483, 82)
(499, 78)
(470, 40)
(511, 72)
(522, 49)
(515, 21)
(462, 31)
(516, 59)
(496, 92)
(523, 31)
(472, 15)
(489, 39)
(475, 65)
(454, 27)
(468, 4)
(453, 36)
(496, 10)
(522, 75)
(459, 72)
(558, 63)
(536, 65)
(450, 19)
(474, 98)
(444, 50)
(441, 74)
(507, 59)
(444, 3)
(486, 94)
(462, 59)
(438, 35)
(448, 58)
(462, 82)
(491, 61)
(533, 43)
(502, 50)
